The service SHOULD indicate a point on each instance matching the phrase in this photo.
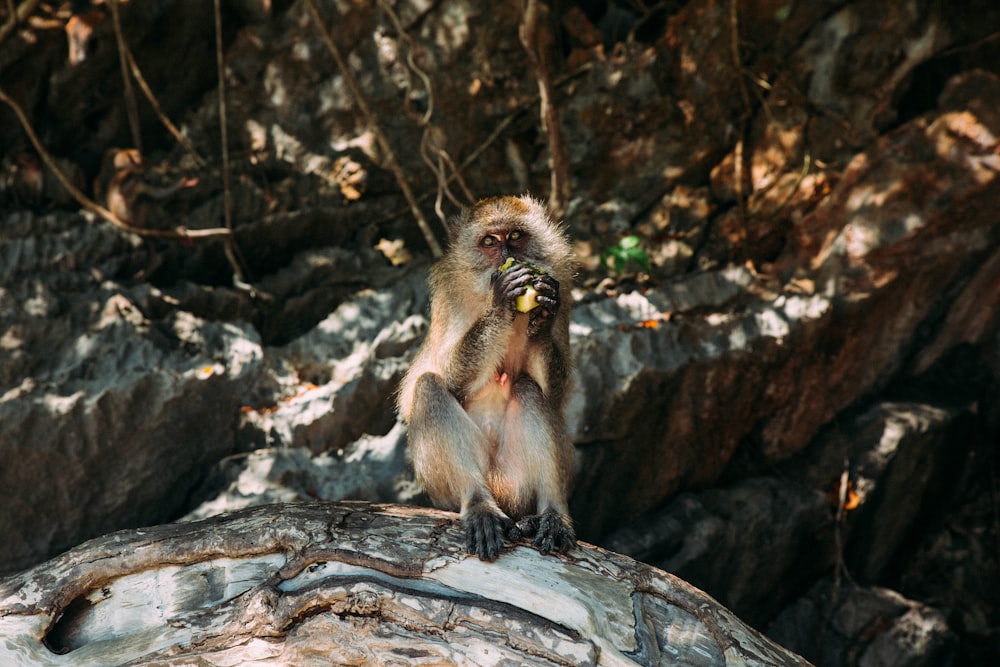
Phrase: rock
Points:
(899, 458)
(752, 545)
(107, 417)
(117, 429)
(757, 544)
(678, 220)
(327, 583)
(91, 86)
(337, 382)
(752, 360)
(641, 358)
(869, 627)
(955, 564)
(859, 262)
(372, 468)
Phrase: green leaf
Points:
(640, 258)
(620, 262)
(629, 242)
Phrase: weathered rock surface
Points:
(816, 184)
(107, 418)
(327, 584)
(850, 625)
(743, 542)
(759, 544)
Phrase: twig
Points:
(968, 46)
(17, 17)
(148, 92)
(456, 174)
(505, 123)
(91, 205)
(537, 40)
(239, 275)
(131, 108)
(380, 137)
(500, 128)
(840, 567)
(738, 155)
(435, 157)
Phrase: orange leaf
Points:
(853, 500)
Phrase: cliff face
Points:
(805, 383)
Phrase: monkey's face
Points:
(505, 228)
(499, 245)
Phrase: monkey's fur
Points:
(484, 397)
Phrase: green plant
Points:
(628, 251)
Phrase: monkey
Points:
(483, 399)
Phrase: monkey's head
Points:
(500, 228)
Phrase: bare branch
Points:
(433, 154)
(92, 206)
(380, 137)
(536, 36)
(131, 108)
(240, 279)
(500, 128)
(17, 17)
(739, 157)
(147, 91)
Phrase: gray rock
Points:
(117, 422)
(371, 468)
(868, 627)
(752, 545)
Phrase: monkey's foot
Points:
(553, 533)
(486, 532)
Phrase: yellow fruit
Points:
(527, 301)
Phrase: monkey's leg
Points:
(535, 461)
(450, 457)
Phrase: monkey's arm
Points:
(481, 351)
(548, 338)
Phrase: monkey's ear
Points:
(456, 224)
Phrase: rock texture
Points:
(324, 584)
(854, 625)
(108, 417)
(804, 383)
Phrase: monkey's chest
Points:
(488, 408)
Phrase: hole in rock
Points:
(65, 634)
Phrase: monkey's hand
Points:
(510, 284)
(553, 534)
(540, 319)
(486, 532)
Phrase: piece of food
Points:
(529, 300)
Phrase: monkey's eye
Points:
(515, 235)
(489, 241)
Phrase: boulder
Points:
(845, 624)
(325, 584)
